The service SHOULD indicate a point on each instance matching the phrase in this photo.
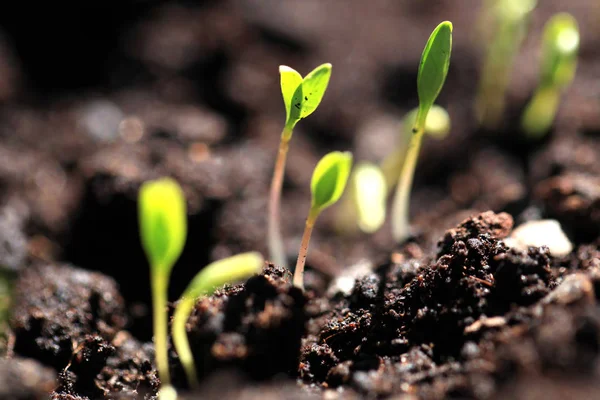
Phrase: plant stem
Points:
(400, 207)
(275, 241)
(299, 271)
(539, 114)
(490, 99)
(180, 339)
(159, 305)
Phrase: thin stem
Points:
(180, 339)
(400, 207)
(490, 99)
(299, 271)
(159, 305)
(275, 240)
(540, 112)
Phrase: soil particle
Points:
(119, 370)
(25, 379)
(58, 306)
(497, 226)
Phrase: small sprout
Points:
(7, 281)
(437, 125)
(301, 97)
(507, 25)
(163, 230)
(559, 62)
(213, 276)
(363, 205)
(433, 69)
(327, 185)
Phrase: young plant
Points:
(509, 22)
(433, 69)
(363, 205)
(437, 125)
(327, 185)
(301, 97)
(559, 62)
(7, 280)
(213, 276)
(163, 230)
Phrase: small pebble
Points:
(546, 232)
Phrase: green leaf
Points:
(560, 47)
(313, 89)
(224, 271)
(433, 69)
(370, 193)
(329, 179)
(290, 81)
(302, 96)
(163, 222)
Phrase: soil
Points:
(191, 91)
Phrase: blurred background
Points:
(97, 97)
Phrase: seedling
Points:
(301, 97)
(559, 62)
(327, 185)
(363, 205)
(437, 125)
(433, 70)
(163, 229)
(7, 280)
(214, 275)
(509, 22)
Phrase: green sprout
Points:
(7, 280)
(301, 96)
(213, 276)
(559, 62)
(327, 185)
(163, 230)
(437, 125)
(363, 205)
(509, 23)
(433, 70)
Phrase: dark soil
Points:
(190, 90)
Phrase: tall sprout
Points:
(301, 97)
(433, 70)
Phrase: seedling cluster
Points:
(162, 207)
